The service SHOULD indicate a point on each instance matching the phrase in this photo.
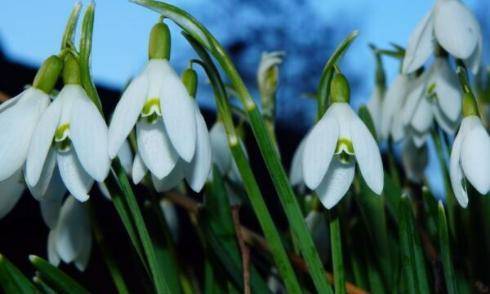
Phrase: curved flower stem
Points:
(256, 199)
(279, 178)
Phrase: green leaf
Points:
(365, 116)
(55, 278)
(445, 249)
(323, 90)
(12, 280)
(42, 286)
(336, 246)
(71, 26)
(85, 49)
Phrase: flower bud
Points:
(339, 89)
(71, 70)
(47, 75)
(189, 78)
(159, 46)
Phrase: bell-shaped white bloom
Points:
(296, 170)
(454, 27)
(435, 96)
(332, 147)
(72, 135)
(159, 106)
(71, 239)
(470, 159)
(414, 160)
(374, 106)
(194, 172)
(10, 191)
(19, 116)
(395, 97)
(222, 156)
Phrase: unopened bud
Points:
(47, 75)
(189, 78)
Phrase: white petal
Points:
(125, 156)
(423, 117)
(336, 183)
(220, 150)
(76, 180)
(170, 214)
(171, 180)
(53, 256)
(475, 158)
(455, 171)
(178, 113)
(319, 148)
(155, 148)
(19, 122)
(374, 106)
(10, 191)
(139, 169)
(420, 45)
(51, 203)
(447, 90)
(83, 258)
(413, 98)
(296, 171)
(474, 61)
(73, 230)
(200, 166)
(126, 113)
(88, 133)
(456, 28)
(419, 139)
(39, 190)
(447, 125)
(41, 141)
(367, 155)
(10, 102)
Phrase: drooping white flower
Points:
(435, 95)
(71, 239)
(197, 170)
(19, 116)
(391, 123)
(451, 25)
(71, 135)
(157, 103)
(221, 153)
(334, 145)
(470, 159)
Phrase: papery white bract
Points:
(157, 103)
(454, 27)
(71, 239)
(470, 159)
(337, 141)
(72, 135)
(19, 116)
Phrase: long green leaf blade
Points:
(445, 249)
(12, 280)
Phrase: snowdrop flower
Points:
(470, 155)
(221, 153)
(21, 114)
(436, 96)
(414, 161)
(197, 170)
(71, 135)
(391, 123)
(71, 239)
(451, 25)
(10, 191)
(296, 170)
(333, 146)
(166, 119)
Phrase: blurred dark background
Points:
(307, 30)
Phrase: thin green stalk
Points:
(256, 199)
(445, 248)
(336, 244)
(269, 153)
(135, 212)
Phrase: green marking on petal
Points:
(151, 110)
(61, 138)
(344, 150)
(431, 92)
